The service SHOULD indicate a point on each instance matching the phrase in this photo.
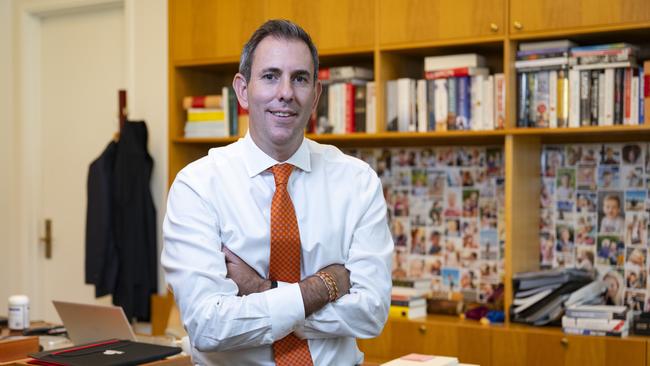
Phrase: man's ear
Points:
(241, 86)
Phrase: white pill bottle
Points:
(18, 312)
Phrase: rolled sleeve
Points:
(286, 309)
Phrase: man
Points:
(224, 234)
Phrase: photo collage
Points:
(594, 215)
(445, 211)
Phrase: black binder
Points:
(111, 352)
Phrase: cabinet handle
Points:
(422, 329)
(564, 342)
(494, 27)
(518, 25)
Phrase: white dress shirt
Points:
(225, 199)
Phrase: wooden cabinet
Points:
(409, 21)
(530, 346)
(527, 16)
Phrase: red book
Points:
(627, 101)
(349, 108)
(456, 72)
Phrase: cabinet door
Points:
(201, 29)
(553, 15)
(332, 24)
(514, 347)
(469, 344)
(408, 21)
(585, 350)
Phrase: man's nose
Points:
(285, 91)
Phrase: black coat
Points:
(132, 217)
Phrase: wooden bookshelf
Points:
(392, 37)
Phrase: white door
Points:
(82, 65)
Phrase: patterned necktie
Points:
(285, 262)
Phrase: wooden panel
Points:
(377, 349)
(474, 346)
(544, 349)
(550, 15)
(409, 21)
(207, 29)
(508, 348)
(522, 160)
(15, 349)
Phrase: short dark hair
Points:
(280, 29)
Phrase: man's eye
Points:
(301, 79)
(268, 76)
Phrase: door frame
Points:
(28, 15)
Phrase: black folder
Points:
(111, 352)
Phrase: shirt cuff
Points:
(286, 309)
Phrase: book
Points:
(522, 99)
(610, 325)
(585, 99)
(554, 61)
(604, 65)
(552, 99)
(205, 114)
(452, 106)
(593, 97)
(407, 312)
(406, 98)
(360, 96)
(597, 311)
(477, 99)
(463, 100)
(416, 359)
(646, 91)
(371, 108)
(499, 101)
(441, 104)
(344, 73)
(541, 100)
(421, 105)
(562, 98)
(431, 105)
(558, 43)
(432, 63)
(413, 303)
(608, 95)
(574, 98)
(391, 105)
(456, 72)
(581, 331)
(418, 283)
(526, 302)
(203, 101)
(488, 105)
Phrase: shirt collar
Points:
(257, 161)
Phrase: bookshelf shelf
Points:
(392, 37)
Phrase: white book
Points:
(433, 63)
(552, 101)
(422, 105)
(634, 103)
(406, 118)
(608, 118)
(601, 98)
(391, 105)
(488, 97)
(371, 108)
(556, 43)
(341, 108)
(441, 101)
(542, 62)
(422, 360)
(524, 303)
(574, 98)
(500, 100)
(604, 65)
(476, 102)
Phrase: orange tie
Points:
(285, 262)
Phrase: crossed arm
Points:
(313, 289)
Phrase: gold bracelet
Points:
(330, 284)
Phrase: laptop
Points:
(88, 323)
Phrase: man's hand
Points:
(248, 281)
(314, 291)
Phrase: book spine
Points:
(608, 119)
(371, 108)
(562, 98)
(532, 88)
(464, 104)
(431, 105)
(452, 94)
(619, 90)
(500, 102)
(441, 103)
(331, 109)
(581, 331)
(553, 99)
(542, 98)
(349, 108)
(601, 98)
(360, 96)
(593, 97)
(391, 105)
(477, 101)
(488, 105)
(522, 106)
(204, 101)
(421, 105)
(585, 108)
(573, 313)
(627, 95)
(634, 101)
(574, 98)
(642, 81)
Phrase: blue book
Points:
(464, 103)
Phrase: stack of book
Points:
(540, 297)
(211, 115)
(560, 84)
(604, 320)
(347, 101)
(408, 298)
(543, 83)
(457, 93)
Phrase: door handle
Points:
(47, 239)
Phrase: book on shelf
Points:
(433, 63)
(542, 45)
(344, 73)
(202, 101)
(416, 359)
(455, 72)
(609, 325)
(417, 283)
(591, 332)
(606, 312)
(205, 114)
(406, 312)
(646, 92)
(371, 108)
(410, 302)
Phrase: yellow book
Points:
(205, 114)
(407, 312)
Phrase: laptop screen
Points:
(87, 323)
